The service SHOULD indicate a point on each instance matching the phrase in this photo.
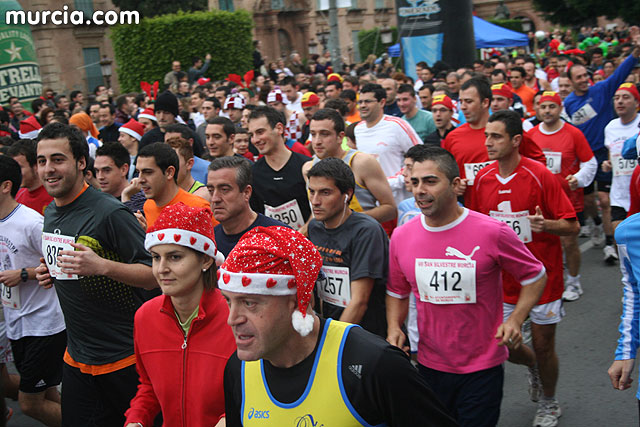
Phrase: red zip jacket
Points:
(182, 376)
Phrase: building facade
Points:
(69, 55)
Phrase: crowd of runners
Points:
(297, 245)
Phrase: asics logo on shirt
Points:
(257, 414)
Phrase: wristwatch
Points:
(24, 275)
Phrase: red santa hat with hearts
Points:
(184, 225)
(274, 261)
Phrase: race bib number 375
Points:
(446, 281)
(52, 245)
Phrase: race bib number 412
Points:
(52, 245)
(446, 281)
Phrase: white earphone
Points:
(346, 197)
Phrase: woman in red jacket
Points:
(182, 340)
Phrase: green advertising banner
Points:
(19, 70)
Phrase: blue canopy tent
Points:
(488, 35)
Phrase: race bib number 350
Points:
(446, 281)
(336, 288)
(52, 245)
(288, 213)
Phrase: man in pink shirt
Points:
(451, 258)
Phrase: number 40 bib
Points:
(446, 281)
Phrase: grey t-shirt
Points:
(362, 245)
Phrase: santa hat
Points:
(29, 128)
(550, 96)
(235, 101)
(203, 81)
(187, 226)
(276, 95)
(274, 261)
(502, 89)
(629, 87)
(133, 128)
(442, 100)
(309, 99)
(334, 77)
(147, 113)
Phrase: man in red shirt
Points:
(526, 196)
(570, 159)
(32, 193)
(466, 142)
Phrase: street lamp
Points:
(313, 47)
(105, 68)
(323, 36)
(386, 35)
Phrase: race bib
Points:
(472, 169)
(554, 161)
(517, 221)
(622, 166)
(52, 244)
(446, 281)
(288, 213)
(336, 288)
(583, 115)
(11, 297)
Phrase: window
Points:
(92, 68)
(84, 6)
(226, 5)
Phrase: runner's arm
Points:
(397, 310)
(509, 332)
(376, 182)
(360, 294)
(587, 172)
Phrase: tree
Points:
(150, 8)
(585, 12)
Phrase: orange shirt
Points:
(355, 117)
(152, 211)
(526, 94)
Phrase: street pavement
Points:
(586, 340)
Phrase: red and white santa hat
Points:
(187, 226)
(133, 128)
(235, 100)
(29, 128)
(148, 113)
(276, 95)
(274, 261)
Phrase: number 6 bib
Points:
(446, 281)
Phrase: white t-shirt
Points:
(297, 104)
(615, 134)
(387, 141)
(39, 312)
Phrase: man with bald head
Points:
(391, 106)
